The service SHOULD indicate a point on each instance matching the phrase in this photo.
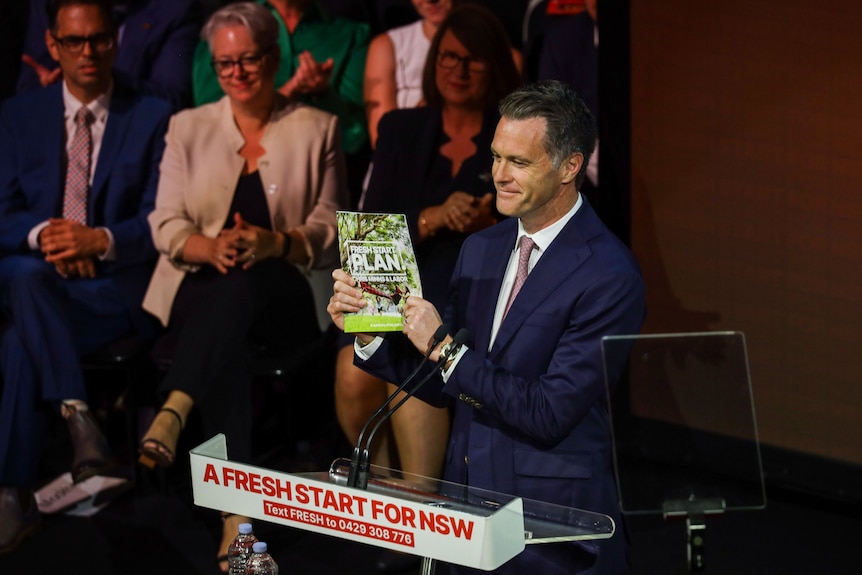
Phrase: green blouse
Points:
(345, 41)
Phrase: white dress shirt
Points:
(543, 239)
(99, 107)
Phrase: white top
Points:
(411, 48)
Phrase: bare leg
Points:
(169, 421)
(421, 432)
(357, 397)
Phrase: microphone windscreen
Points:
(461, 337)
(441, 332)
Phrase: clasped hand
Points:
(244, 244)
(464, 213)
(470, 214)
(421, 319)
(72, 247)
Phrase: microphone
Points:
(358, 452)
(365, 458)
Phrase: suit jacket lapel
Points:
(53, 127)
(119, 118)
(230, 168)
(567, 253)
(494, 262)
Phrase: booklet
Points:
(377, 252)
(82, 499)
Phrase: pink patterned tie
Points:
(78, 168)
(526, 247)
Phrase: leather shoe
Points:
(90, 446)
(19, 517)
(396, 562)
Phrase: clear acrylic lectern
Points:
(685, 433)
(434, 519)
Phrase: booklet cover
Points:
(377, 252)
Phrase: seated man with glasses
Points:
(156, 41)
(78, 173)
(101, 42)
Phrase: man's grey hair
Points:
(258, 20)
(569, 126)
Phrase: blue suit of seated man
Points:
(69, 284)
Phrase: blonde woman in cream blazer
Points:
(303, 177)
(246, 203)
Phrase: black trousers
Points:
(216, 321)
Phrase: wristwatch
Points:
(448, 353)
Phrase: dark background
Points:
(731, 132)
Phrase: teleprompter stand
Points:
(437, 520)
(685, 435)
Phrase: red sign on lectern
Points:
(408, 521)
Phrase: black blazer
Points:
(404, 180)
(570, 55)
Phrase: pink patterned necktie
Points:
(78, 168)
(525, 247)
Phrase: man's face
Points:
(87, 71)
(528, 185)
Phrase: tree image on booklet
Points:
(377, 252)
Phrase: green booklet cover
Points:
(377, 252)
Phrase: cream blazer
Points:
(302, 170)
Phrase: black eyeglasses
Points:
(249, 64)
(101, 42)
(450, 60)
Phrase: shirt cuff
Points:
(110, 253)
(364, 352)
(33, 236)
(447, 372)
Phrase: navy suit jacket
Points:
(531, 417)
(155, 52)
(32, 181)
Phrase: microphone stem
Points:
(360, 460)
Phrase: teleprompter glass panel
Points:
(684, 426)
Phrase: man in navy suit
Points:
(530, 412)
(156, 42)
(78, 172)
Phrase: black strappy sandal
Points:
(154, 453)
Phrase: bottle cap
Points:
(245, 528)
(259, 547)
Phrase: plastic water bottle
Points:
(261, 562)
(240, 550)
